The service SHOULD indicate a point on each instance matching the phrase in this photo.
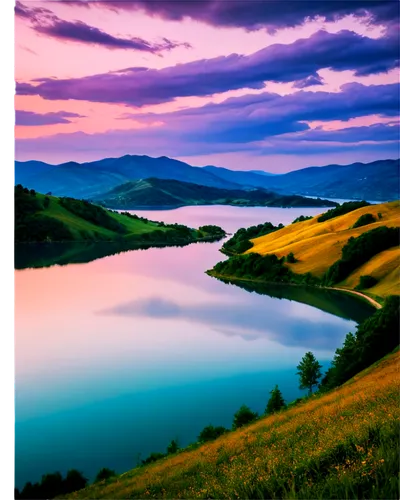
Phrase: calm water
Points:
(116, 357)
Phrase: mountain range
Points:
(163, 193)
(378, 180)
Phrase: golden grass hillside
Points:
(317, 245)
(340, 445)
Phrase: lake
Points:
(116, 357)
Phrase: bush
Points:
(210, 433)
(359, 250)
(290, 258)
(364, 220)
(153, 457)
(366, 282)
(104, 474)
(243, 416)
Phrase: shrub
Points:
(210, 433)
(103, 474)
(364, 220)
(173, 447)
(290, 258)
(302, 218)
(366, 282)
(243, 416)
(153, 457)
(240, 241)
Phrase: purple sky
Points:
(273, 85)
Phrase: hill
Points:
(49, 220)
(306, 252)
(155, 192)
(89, 179)
(378, 180)
(339, 445)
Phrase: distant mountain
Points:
(171, 193)
(245, 179)
(89, 179)
(378, 180)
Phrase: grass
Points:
(77, 224)
(343, 444)
(317, 245)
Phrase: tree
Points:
(309, 370)
(74, 481)
(243, 416)
(210, 433)
(291, 258)
(275, 402)
(172, 447)
(104, 473)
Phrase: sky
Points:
(272, 85)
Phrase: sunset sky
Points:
(273, 85)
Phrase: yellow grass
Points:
(317, 245)
(245, 462)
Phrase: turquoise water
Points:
(116, 357)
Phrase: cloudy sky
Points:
(274, 85)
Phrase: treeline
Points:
(240, 241)
(268, 268)
(374, 338)
(302, 218)
(359, 250)
(344, 208)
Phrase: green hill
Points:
(49, 220)
(155, 192)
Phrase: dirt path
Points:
(354, 292)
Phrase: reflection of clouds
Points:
(268, 319)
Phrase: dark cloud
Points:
(310, 81)
(262, 124)
(295, 62)
(379, 132)
(46, 23)
(31, 119)
(255, 14)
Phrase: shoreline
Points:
(362, 296)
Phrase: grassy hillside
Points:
(47, 220)
(155, 192)
(302, 452)
(317, 245)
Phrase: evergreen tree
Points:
(309, 370)
(276, 401)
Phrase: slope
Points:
(47, 219)
(155, 192)
(298, 453)
(317, 245)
